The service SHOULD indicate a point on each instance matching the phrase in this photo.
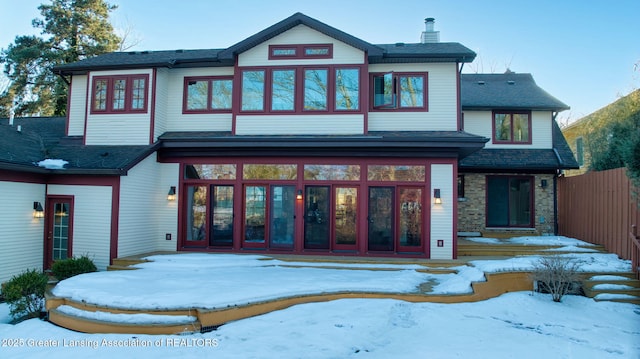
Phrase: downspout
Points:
(555, 203)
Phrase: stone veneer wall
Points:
(471, 208)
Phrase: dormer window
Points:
(119, 94)
(399, 91)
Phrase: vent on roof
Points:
(179, 51)
(399, 44)
(480, 82)
(511, 82)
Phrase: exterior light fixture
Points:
(299, 195)
(543, 183)
(436, 196)
(38, 211)
(171, 196)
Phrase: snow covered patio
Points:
(190, 292)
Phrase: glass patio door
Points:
(282, 216)
(316, 217)
(381, 219)
(410, 219)
(221, 216)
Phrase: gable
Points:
(341, 52)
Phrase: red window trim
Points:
(300, 51)
(209, 80)
(425, 96)
(299, 90)
(510, 142)
(128, 102)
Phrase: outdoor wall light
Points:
(543, 183)
(436, 196)
(38, 211)
(171, 196)
(299, 195)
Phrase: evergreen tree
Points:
(72, 30)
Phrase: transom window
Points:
(207, 94)
(399, 91)
(300, 89)
(308, 51)
(512, 127)
(119, 94)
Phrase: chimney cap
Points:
(430, 19)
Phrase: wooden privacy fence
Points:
(600, 208)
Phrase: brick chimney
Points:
(429, 35)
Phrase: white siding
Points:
(116, 129)
(480, 123)
(300, 125)
(441, 98)
(78, 105)
(176, 120)
(442, 214)
(301, 34)
(145, 213)
(21, 235)
(91, 220)
(162, 97)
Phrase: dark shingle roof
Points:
(556, 158)
(432, 52)
(43, 138)
(508, 91)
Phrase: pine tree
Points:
(71, 30)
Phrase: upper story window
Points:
(309, 51)
(207, 94)
(119, 94)
(511, 127)
(399, 91)
(300, 89)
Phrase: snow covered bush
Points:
(66, 268)
(25, 293)
(557, 275)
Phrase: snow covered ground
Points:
(523, 324)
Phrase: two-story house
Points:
(298, 139)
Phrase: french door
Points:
(269, 215)
(59, 229)
(210, 216)
(395, 219)
(331, 214)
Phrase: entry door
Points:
(410, 221)
(381, 219)
(59, 223)
(316, 217)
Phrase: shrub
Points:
(557, 275)
(25, 294)
(66, 268)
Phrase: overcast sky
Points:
(581, 51)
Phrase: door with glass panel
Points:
(410, 219)
(345, 218)
(221, 216)
(381, 219)
(317, 217)
(59, 218)
(196, 222)
(282, 216)
(269, 215)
